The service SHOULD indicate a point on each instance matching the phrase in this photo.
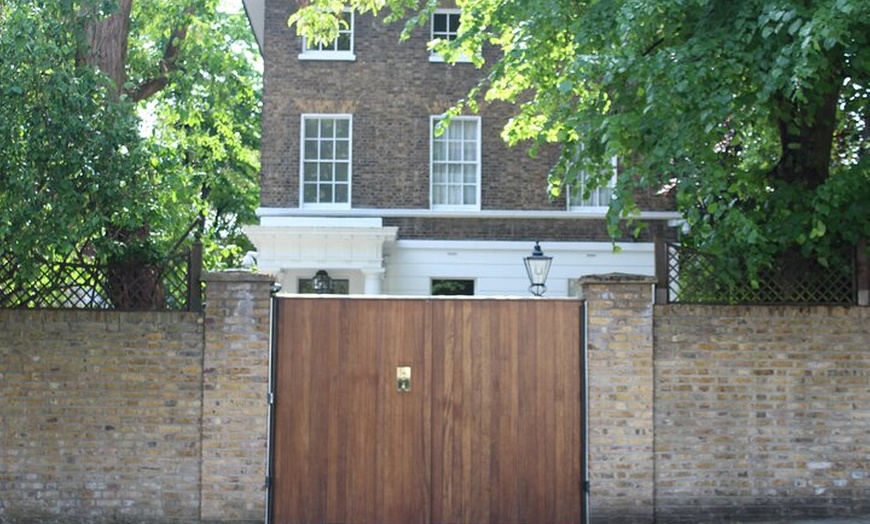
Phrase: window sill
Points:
(449, 209)
(334, 56)
(589, 210)
(324, 207)
(438, 59)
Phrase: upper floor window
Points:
(326, 161)
(445, 26)
(339, 49)
(455, 163)
(598, 199)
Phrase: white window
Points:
(445, 26)
(455, 164)
(339, 49)
(326, 161)
(598, 199)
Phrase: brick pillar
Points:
(235, 407)
(619, 352)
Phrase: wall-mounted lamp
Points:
(538, 267)
(322, 283)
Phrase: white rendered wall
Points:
(497, 267)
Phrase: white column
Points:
(373, 280)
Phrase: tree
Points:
(81, 81)
(754, 111)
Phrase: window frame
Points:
(311, 53)
(464, 282)
(433, 122)
(595, 196)
(448, 12)
(304, 117)
(304, 286)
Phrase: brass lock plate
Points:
(403, 379)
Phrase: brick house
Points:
(356, 182)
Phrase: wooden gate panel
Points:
(490, 431)
(506, 416)
(348, 447)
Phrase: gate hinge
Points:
(270, 397)
(268, 481)
(587, 486)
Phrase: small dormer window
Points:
(339, 49)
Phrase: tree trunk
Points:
(807, 134)
(106, 40)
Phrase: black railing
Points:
(172, 284)
(689, 276)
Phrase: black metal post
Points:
(194, 277)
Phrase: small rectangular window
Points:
(339, 49)
(455, 163)
(340, 286)
(445, 26)
(452, 286)
(326, 161)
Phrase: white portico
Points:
(293, 249)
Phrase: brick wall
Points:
(100, 415)
(696, 413)
(762, 412)
(543, 229)
(391, 89)
(235, 385)
(619, 370)
(136, 417)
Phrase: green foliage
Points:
(753, 111)
(90, 175)
(70, 157)
(206, 126)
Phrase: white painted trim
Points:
(322, 222)
(437, 213)
(335, 56)
(329, 54)
(256, 12)
(512, 245)
(435, 58)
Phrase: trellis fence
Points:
(171, 284)
(688, 276)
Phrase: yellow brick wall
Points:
(137, 417)
(696, 413)
(762, 412)
(619, 360)
(99, 414)
(235, 387)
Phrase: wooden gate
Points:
(488, 430)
